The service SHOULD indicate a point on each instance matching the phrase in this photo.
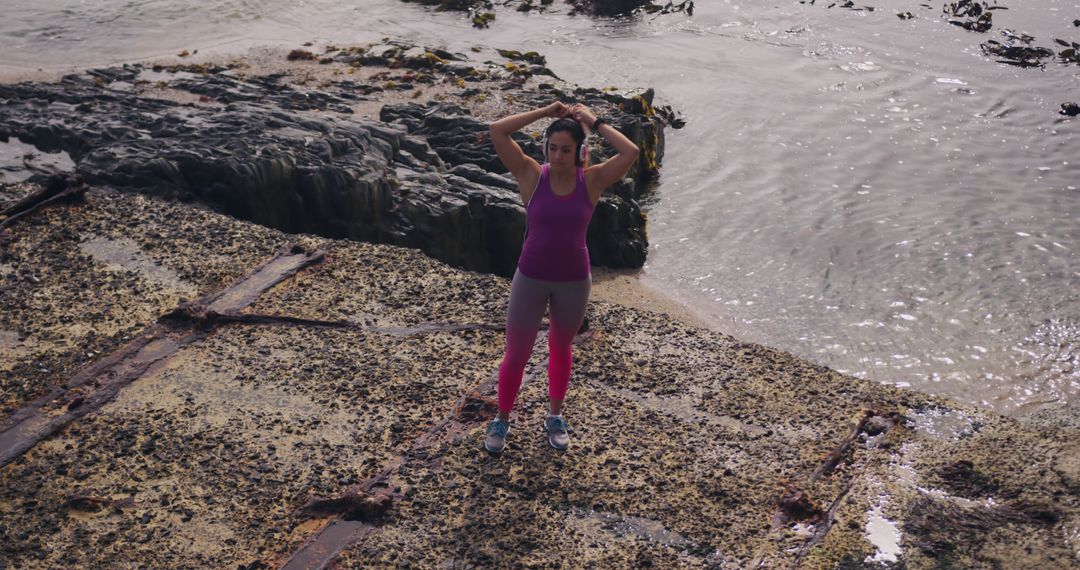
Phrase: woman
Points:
(553, 270)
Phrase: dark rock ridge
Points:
(608, 8)
(266, 156)
(482, 12)
(632, 112)
(460, 139)
(462, 142)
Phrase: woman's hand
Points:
(583, 115)
(557, 110)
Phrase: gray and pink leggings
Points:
(528, 299)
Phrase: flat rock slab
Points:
(690, 449)
(79, 281)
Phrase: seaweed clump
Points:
(971, 15)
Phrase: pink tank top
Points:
(555, 247)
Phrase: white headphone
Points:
(583, 148)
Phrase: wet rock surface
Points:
(263, 149)
(686, 446)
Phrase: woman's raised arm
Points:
(598, 178)
(525, 169)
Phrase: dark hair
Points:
(571, 126)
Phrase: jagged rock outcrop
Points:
(616, 235)
(260, 157)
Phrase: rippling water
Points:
(868, 192)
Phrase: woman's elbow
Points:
(634, 151)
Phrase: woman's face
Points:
(562, 150)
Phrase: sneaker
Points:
(557, 428)
(496, 435)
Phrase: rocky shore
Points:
(275, 149)
(183, 388)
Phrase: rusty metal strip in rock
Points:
(796, 504)
(200, 316)
(98, 384)
(59, 188)
(357, 512)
